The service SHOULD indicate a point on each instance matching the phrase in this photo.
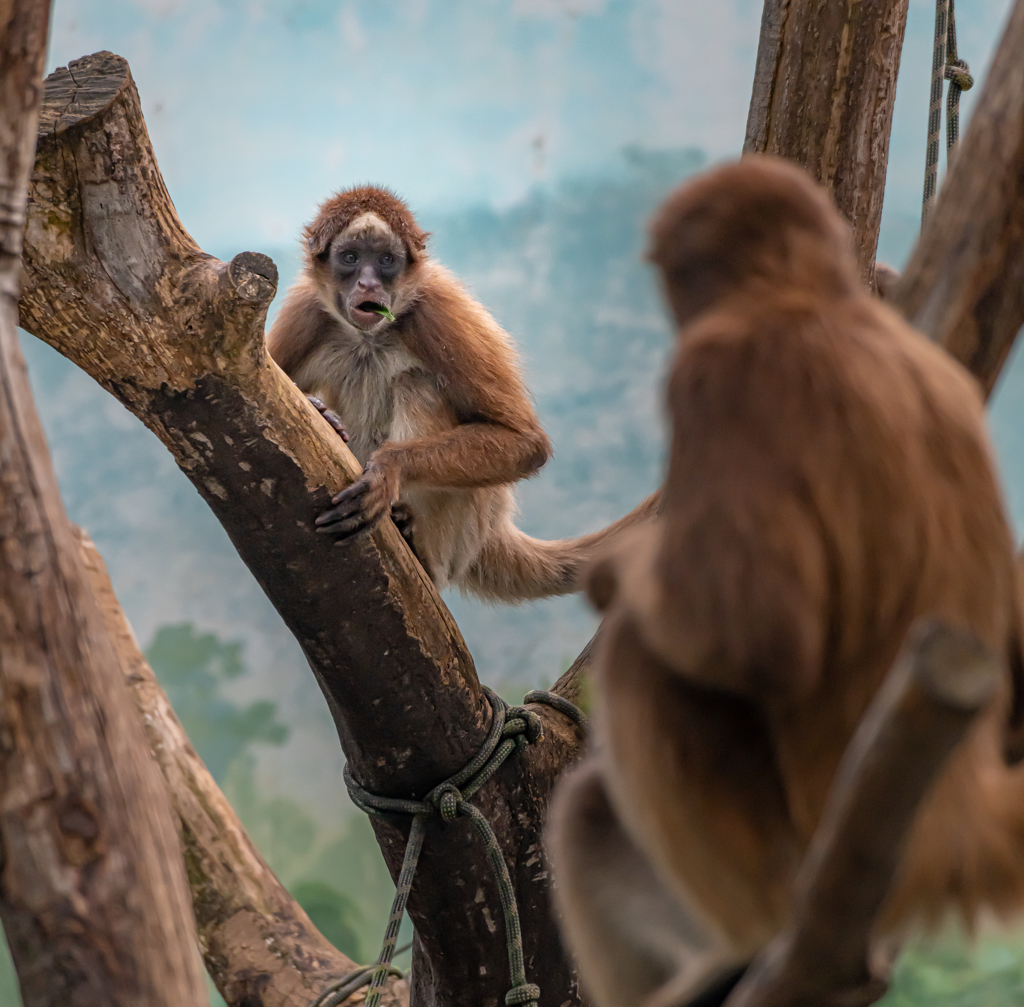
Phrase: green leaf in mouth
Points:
(384, 312)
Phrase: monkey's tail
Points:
(515, 567)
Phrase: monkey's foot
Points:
(330, 415)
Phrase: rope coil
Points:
(512, 728)
(946, 65)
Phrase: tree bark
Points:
(964, 285)
(256, 939)
(824, 88)
(116, 285)
(93, 896)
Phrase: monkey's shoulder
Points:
(449, 320)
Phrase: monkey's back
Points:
(830, 482)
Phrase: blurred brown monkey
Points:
(830, 481)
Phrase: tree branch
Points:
(824, 88)
(92, 894)
(116, 285)
(925, 707)
(258, 942)
(964, 285)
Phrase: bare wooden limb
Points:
(93, 895)
(824, 88)
(964, 285)
(944, 677)
(256, 939)
(115, 284)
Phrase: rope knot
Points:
(446, 797)
(511, 729)
(530, 728)
(959, 73)
(527, 993)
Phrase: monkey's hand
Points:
(361, 505)
(330, 415)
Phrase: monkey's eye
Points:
(349, 258)
(387, 259)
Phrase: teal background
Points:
(533, 138)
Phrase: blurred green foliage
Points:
(193, 667)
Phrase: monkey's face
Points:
(365, 272)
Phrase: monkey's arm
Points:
(470, 455)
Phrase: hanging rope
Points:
(511, 728)
(946, 65)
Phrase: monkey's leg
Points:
(330, 415)
(635, 942)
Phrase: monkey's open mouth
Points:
(376, 308)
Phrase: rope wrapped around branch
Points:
(511, 728)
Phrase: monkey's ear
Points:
(319, 236)
(317, 249)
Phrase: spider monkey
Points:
(830, 482)
(428, 389)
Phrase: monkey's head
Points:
(758, 224)
(363, 248)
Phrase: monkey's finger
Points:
(346, 509)
(350, 527)
(330, 415)
(345, 529)
(335, 421)
(353, 492)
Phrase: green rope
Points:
(511, 728)
(946, 65)
(341, 989)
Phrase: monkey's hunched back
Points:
(428, 387)
(830, 481)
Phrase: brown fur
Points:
(434, 405)
(830, 482)
(336, 213)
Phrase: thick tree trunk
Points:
(115, 283)
(256, 939)
(964, 285)
(93, 896)
(824, 88)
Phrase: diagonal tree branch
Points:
(115, 284)
(964, 285)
